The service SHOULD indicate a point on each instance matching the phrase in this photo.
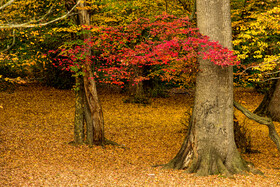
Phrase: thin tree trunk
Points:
(94, 119)
(93, 111)
(136, 90)
(79, 112)
(209, 147)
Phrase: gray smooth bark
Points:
(209, 147)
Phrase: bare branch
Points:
(261, 120)
(251, 67)
(13, 43)
(34, 23)
(273, 78)
(6, 4)
(273, 73)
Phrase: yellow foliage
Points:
(269, 63)
(71, 29)
(256, 41)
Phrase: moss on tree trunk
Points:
(88, 108)
(79, 112)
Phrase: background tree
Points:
(27, 34)
(270, 105)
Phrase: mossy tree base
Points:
(205, 159)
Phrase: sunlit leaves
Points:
(167, 47)
(256, 35)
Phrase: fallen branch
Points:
(262, 120)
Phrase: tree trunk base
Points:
(209, 162)
(106, 142)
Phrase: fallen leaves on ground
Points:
(36, 124)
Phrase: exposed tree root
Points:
(262, 120)
(106, 142)
(110, 142)
(208, 161)
(211, 163)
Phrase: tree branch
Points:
(34, 23)
(273, 78)
(6, 4)
(251, 67)
(13, 43)
(276, 60)
(273, 73)
(262, 120)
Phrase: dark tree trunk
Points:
(274, 105)
(136, 90)
(79, 112)
(270, 105)
(90, 105)
(94, 115)
(209, 147)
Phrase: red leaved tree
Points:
(166, 46)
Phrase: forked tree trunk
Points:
(270, 105)
(92, 111)
(209, 147)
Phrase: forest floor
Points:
(36, 125)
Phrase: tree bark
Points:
(92, 108)
(274, 105)
(79, 112)
(94, 114)
(270, 105)
(209, 147)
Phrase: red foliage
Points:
(119, 52)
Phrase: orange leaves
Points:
(36, 124)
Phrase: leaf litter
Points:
(36, 124)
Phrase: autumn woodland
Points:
(139, 93)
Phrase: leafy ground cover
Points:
(36, 124)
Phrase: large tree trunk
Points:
(209, 147)
(92, 111)
(270, 105)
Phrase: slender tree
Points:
(209, 147)
(88, 108)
